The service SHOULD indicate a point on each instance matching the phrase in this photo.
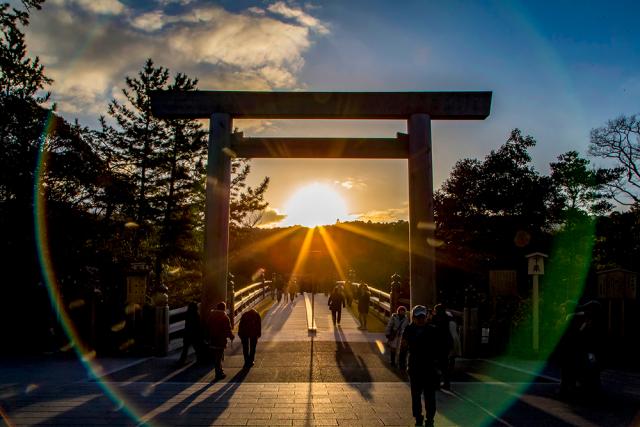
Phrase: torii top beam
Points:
(321, 105)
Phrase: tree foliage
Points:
(580, 189)
(20, 75)
(486, 207)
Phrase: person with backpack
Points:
(218, 330)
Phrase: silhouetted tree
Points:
(48, 174)
(578, 188)
(489, 211)
(619, 140)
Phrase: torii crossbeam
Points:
(418, 108)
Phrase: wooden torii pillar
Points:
(418, 108)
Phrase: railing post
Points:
(231, 298)
(161, 300)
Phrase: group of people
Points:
(285, 291)
(430, 342)
(339, 299)
(209, 337)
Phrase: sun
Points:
(315, 204)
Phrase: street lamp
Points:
(535, 269)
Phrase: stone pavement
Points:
(337, 377)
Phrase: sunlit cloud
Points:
(101, 7)
(352, 183)
(299, 15)
(90, 57)
(270, 218)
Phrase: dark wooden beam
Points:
(321, 105)
(327, 148)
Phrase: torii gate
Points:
(418, 108)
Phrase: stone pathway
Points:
(339, 377)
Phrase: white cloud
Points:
(99, 7)
(352, 183)
(151, 21)
(281, 8)
(88, 57)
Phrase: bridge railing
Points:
(379, 301)
(249, 296)
(243, 299)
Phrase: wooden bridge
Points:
(337, 376)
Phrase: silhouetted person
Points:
(363, 305)
(421, 340)
(440, 320)
(579, 351)
(218, 329)
(394, 330)
(293, 290)
(249, 330)
(192, 333)
(348, 292)
(336, 302)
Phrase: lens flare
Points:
(85, 355)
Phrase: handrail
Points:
(380, 301)
(249, 296)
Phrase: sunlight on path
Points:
(288, 322)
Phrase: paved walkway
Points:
(337, 377)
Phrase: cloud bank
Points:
(88, 47)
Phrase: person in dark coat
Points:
(579, 351)
(363, 305)
(218, 330)
(336, 302)
(192, 333)
(249, 330)
(441, 321)
(421, 339)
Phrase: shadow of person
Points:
(210, 403)
(353, 368)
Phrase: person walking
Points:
(421, 339)
(218, 330)
(393, 332)
(440, 320)
(336, 302)
(293, 290)
(192, 333)
(363, 305)
(249, 330)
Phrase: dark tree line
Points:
(79, 205)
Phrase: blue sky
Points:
(556, 69)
